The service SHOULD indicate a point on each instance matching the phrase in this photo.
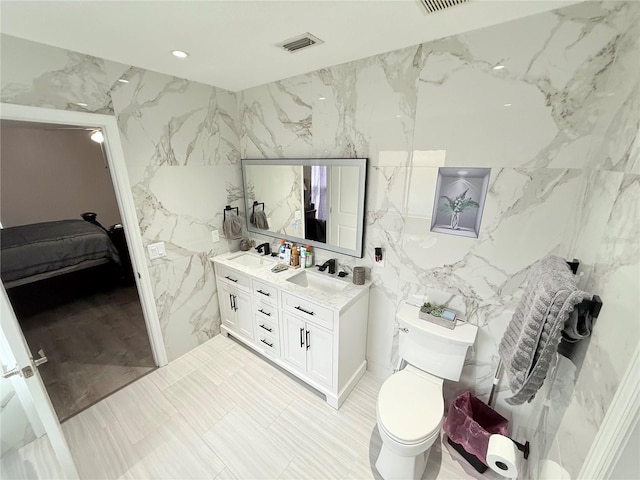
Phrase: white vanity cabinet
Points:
(235, 302)
(320, 338)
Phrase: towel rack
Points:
(255, 204)
(594, 305)
(228, 208)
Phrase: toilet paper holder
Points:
(523, 447)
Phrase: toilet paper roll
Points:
(502, 455)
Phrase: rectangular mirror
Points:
(319, 202)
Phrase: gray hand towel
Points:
(533, 335)
(260, 219)
(232, 226)
(577, 326)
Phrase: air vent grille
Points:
(438, 5)
(300, 42)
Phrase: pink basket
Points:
(470, 423)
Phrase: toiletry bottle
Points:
(309, 259)
(287, 254)
(295, 260)
(281, 252)
(303, 256)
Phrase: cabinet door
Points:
(225, 297)
(295, 352)
(320, 355)
(243, 313)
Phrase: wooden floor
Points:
(222, 412)
(96, 342)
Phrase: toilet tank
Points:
(434, 349)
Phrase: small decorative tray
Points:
(448, 320)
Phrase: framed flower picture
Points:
(459, 202)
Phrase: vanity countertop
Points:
(336, 300)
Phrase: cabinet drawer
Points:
(266, 325)
(232, 277)
(268, 343)
(265, 292)
(308, 310)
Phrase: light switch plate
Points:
(215, 236)
(298, 214)
(156, 250)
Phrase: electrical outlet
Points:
(298, 214)
(215, 236)
(156, 250)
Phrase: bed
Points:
(29, 253)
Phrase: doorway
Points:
(94, 321)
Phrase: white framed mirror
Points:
(318, 202)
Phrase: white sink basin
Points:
(319, 282)
(251, 260)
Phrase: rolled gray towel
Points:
(261, 220)
(232, 226)
(532, 337)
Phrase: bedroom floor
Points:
(96, 341)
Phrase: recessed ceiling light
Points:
(322, 98)
(507, 104)
(499, 67)
(80, 104)
(462, 172)
(123, 80)
(179, 53)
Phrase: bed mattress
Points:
(39, 248)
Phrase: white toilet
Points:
(410, 406)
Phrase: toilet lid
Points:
(410, 407)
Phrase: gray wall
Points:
(53, 175)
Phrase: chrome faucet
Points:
(331, 263)
(265, 246)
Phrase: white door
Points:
(342, 219)
(320, 355)
(30, 425)
(295, 352)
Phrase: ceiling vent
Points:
(433, 6)
(300, 42)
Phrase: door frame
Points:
(617, 426)
(120, 179)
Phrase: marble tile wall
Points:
(181, 148)
(563, 154)
(558, 127)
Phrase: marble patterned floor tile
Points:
(174, 451)
(98, 443)
(247, 449)
(175, 370)
(199, 401)
(34, 461)
(140, 408)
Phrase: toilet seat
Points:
(410, 407)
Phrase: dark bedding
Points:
(45, 247)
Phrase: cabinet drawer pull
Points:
(266, 343)
(308, 338)
(264, 293)
(264, 313)
(234, 280)
(301, 337)
(298, 307)
(265, 328)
